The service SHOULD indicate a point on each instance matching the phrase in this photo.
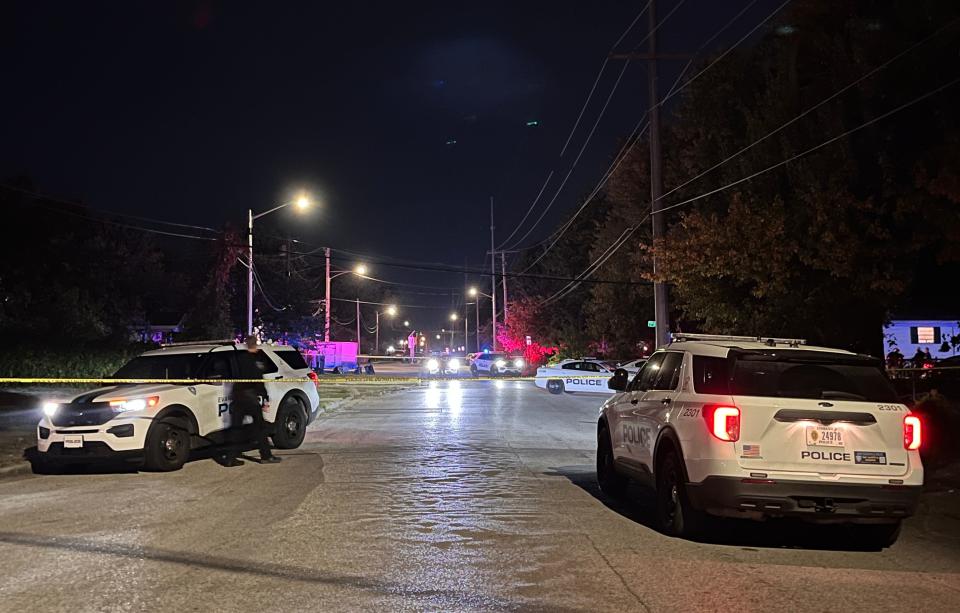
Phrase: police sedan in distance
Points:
(575, 375)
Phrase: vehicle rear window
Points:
(292, 358)
(804, 376)
(174, 366)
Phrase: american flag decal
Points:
(750, 451)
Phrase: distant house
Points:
(908, 335)
(160, 328)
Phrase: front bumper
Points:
(815, 501)
(100, 442)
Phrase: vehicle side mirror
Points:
(618, 382)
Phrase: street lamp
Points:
(391, 311)
(358, 270)
(406, 324)
(302, 202)
(477, 293)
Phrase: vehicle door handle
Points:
(665, 401)
(635, 401)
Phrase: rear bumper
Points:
(815, 501)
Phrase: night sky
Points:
(194, 111)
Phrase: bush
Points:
(66, 362)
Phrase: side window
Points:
(710, 375)
(264, 362)
(571, 366)
(590, 366)
(648, 374)
(219, 366)
(669, 372)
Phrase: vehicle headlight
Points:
(50, 408)
(518, 363)
(453, 364)
(500, 363)
(433, 364)
(134, 404)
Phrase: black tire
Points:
(290, 425)
(168, 445)
(610, 481)
(674, 513)
(874, 537)
(555, 386)
(474, 371)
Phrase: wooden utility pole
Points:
(661, 307)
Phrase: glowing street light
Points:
(453, 317)
(360, 269)
(391, 310)
(302, 203)
(406, 324)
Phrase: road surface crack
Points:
(617, 573)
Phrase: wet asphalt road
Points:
(461, 496)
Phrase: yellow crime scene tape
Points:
(323, 380)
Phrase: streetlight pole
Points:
(493, 277)
(466, 330)
(358, 327)
(376, 342)
(326, 315)
(249, 272)
(477, 337)
(302, 202)
(477, 293)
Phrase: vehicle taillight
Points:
(313, 376)
(722, 421)
(912, 432)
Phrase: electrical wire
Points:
(672, 92)
(610, 251)
(35, 194)
(829, 98)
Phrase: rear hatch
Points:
(817, 411)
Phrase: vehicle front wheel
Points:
(674, 512)
(168, 446)
(291, 424)
(555, 386)
(610, 481)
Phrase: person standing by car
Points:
(251, 399)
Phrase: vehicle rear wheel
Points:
(674, 512)
(168, 445)
(555, 386)
(876, 536)
(474, 371)
(610, 481)
(291, 424)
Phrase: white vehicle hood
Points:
(116, 392)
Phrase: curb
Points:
(14, 470)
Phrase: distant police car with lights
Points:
(583, 375)
(756, 428)
(159, 423)
(495, 363)
(442, 365)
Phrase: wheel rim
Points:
(672, 502)
(292, 425)
(172, 445)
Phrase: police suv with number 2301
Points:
(756, 428)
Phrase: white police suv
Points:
(158, 424)
(496, 363)
(756, 428)
(577, 375)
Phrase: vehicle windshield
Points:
(778, 376)
(174, 366)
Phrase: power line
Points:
(672, 92)
(814, 107)
(103, 211)
(593, 267)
